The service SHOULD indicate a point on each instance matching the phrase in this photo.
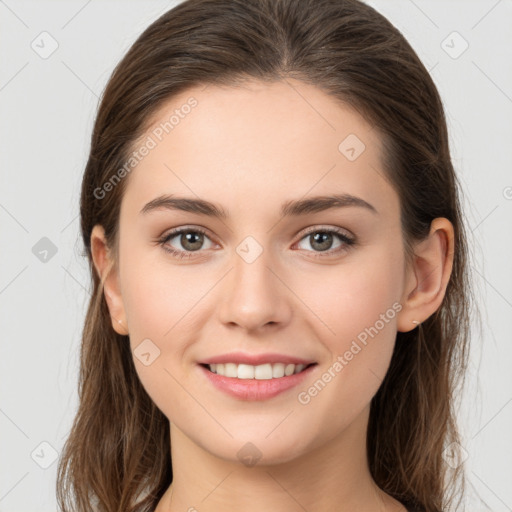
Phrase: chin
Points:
(250, 449)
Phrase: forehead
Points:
(272, 141)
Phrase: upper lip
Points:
(255, 359)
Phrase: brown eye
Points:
(191, 241)
(323, 240)
(185, 242)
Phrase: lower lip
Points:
(254, 389)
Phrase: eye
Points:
(190, 239)
(322, 240)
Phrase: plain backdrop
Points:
(55, 60)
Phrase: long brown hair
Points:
(117, 456)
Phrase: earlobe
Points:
(107, 272)
(428, 276)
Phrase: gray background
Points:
(47, 110)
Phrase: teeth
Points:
(230, 370)
(277, 370)
(261, 372)
(245, 371)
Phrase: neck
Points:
(331, 477)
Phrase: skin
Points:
(249, 149)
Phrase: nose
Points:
(254, 296)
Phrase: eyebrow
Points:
(288, 209)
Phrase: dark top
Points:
(411, 508)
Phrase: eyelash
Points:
(190, 254)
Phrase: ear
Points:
(428, 276)
(108, 273)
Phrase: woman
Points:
(280, 301)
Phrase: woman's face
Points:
(280, 278)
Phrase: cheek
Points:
(357, 306)
(159, 309)
(360, 309)
(352, 296)
(163, 309)
(160, 296)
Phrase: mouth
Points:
(252, 383)
(266, 371)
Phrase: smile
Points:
(261, 382)
(260, 372)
